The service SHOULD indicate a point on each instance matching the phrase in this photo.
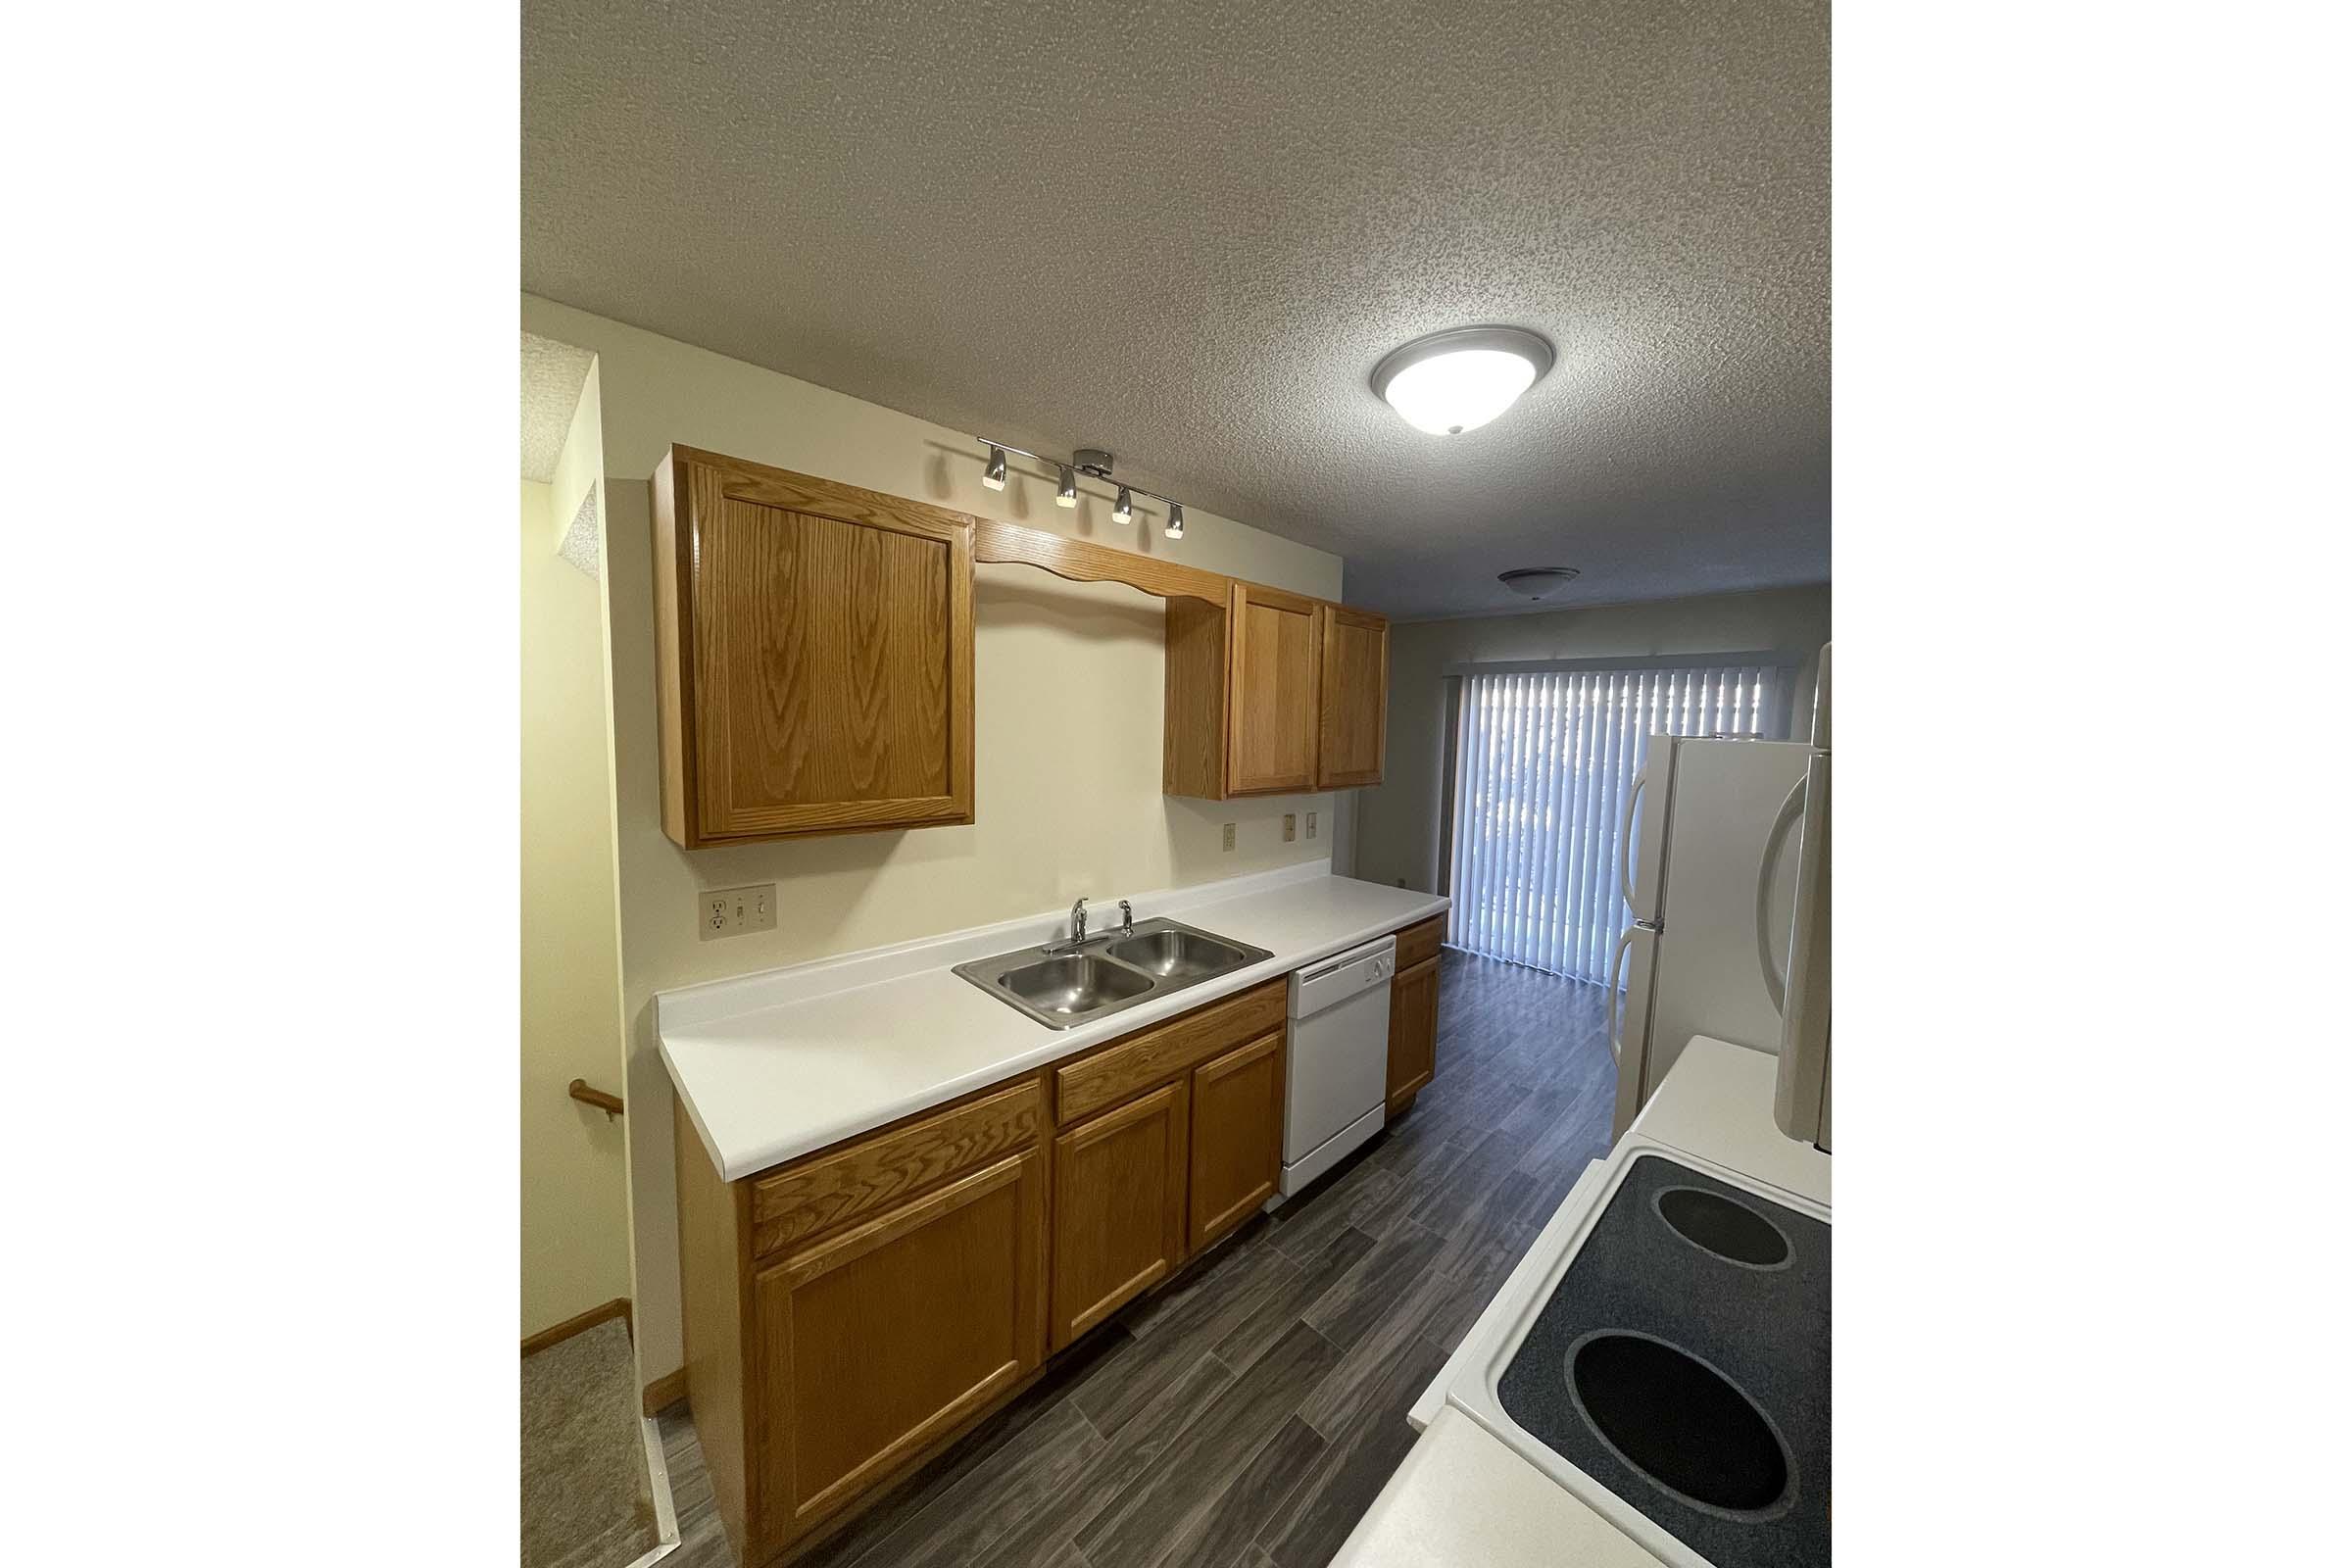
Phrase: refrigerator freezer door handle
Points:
(1793, 809)
(1625, 839)
(1625, 945)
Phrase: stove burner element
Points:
(1678, 1422)
(1729, 1229)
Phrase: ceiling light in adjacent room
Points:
(993, 476)
(1538, 582)
(1450, 382)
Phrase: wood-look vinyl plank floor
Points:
(1247, 1416)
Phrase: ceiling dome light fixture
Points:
(1538, 582)
(1452, 381)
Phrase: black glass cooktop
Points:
(1684, 1363)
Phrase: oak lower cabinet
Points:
(1237, 1138)
(850, 1313)
(1118, 1207)
(1413, 1014)
(812, 655)
(889, 1338)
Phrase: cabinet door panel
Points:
(1236, 1137)
(813, 654)
(1276, 673)
(1412, 1032)
(1118, 1208)
(1355, 709)
(874, 1345)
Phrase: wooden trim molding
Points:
(1011, 544)
(665, 1392)
(617, 1307)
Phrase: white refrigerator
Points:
(1707, 873)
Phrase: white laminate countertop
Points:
(773, 1065)
(1461, 1500)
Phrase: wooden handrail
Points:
(609, 1105)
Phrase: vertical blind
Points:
(1545, 764)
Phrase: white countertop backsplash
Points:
(774, 1065)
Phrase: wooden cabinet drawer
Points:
(877, 1171)
(1128, 1067)
(1416, 943)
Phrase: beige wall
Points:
(1063, 808)
(1400, 826)
(575, 1238)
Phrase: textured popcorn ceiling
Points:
(1187, 231)
(553, 374)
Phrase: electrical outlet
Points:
(1229, 836)
(731, 911)
(1289, 827)
(1310, 824)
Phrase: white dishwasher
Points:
(1339, 1069)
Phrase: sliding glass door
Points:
(1544, 761)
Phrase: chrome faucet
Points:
(1077, 939)
(1126, 919)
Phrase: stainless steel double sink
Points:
(1063, 986)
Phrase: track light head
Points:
(1066, 493)
(1124, 510)
(1175, 520)
(993, 476)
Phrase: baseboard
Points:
(665, 1392)
(617, 1307)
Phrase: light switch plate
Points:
(1229, 835)
(1289, 827)
(1310, 824)
(732, 911)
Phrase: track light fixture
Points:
(1095, 464)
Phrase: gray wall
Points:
(1400, 826)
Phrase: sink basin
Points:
(1074, 985)
(1176, 952)
(1061, 988)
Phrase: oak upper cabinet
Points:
(1118, 1207)
(1277, 644)
(812, 655)
(1354, 706)
(1236, 1137)
(1255, 703)
(886, 1338)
